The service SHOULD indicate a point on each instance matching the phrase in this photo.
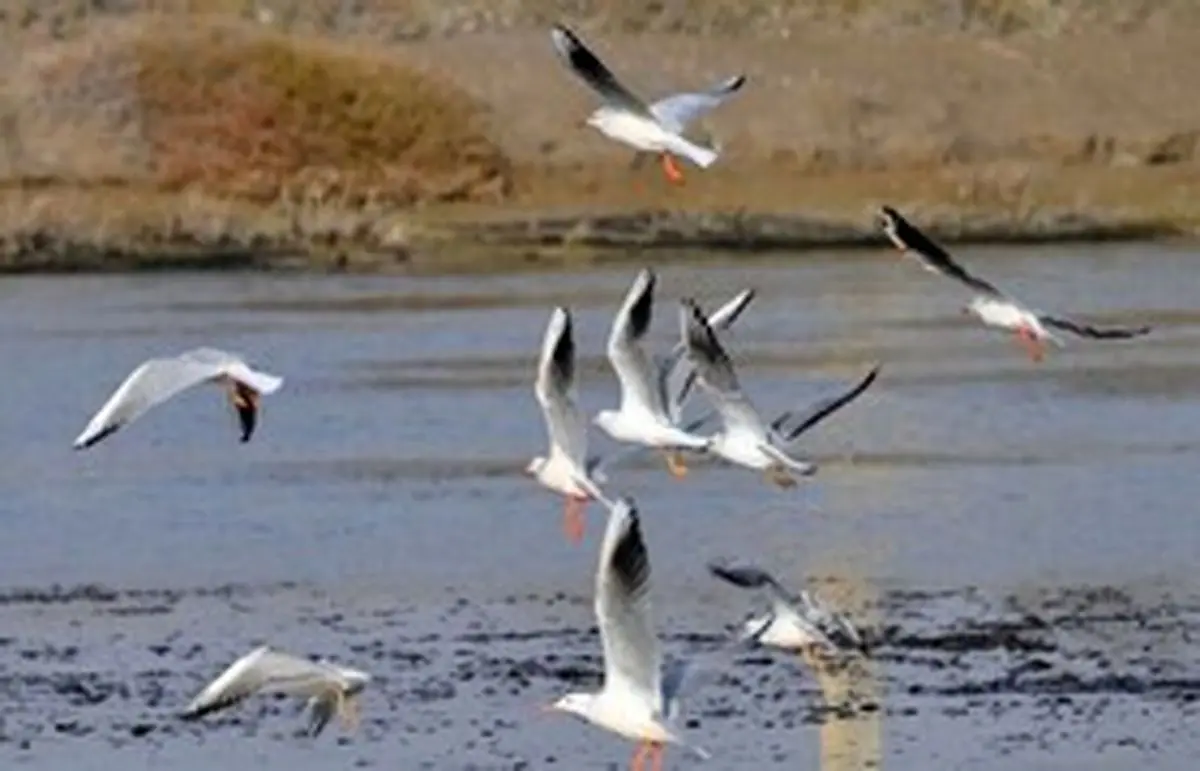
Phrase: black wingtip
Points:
(630, 560)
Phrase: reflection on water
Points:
(851, 737)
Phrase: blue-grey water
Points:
(380, 517)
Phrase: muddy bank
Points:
(385, 138)
(107, 668)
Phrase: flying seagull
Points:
(566, 469)
(157, 380)
(792, 624)
(644, 416)
(744, 439)
(1033, 329)
(328, 688)
(640, 697)
(648, 128)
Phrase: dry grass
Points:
(237, 111)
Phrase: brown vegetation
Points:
(269, 126)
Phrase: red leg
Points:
(656, 757)
(1029, 341)
(638, 763)
(573, 523)
(673, 172)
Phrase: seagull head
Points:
(535, 466)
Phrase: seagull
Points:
(329, 688)
(566, 469)
(744, 439)
(656, 128)
(791, 624)
(990, 305)
(157, 380)
(644, 416)
(639, 698)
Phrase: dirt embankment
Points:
(271, 133)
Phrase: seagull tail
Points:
(701, 156)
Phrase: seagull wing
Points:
(1096, 333)
(641, 381)
(750, 577)
(822, 409)
(715, 374)
(592, 71)
(262, 669)
(555, 389)
(677, 111)
(632, 660)
(909, 239)
(157, 380)
(721, 318)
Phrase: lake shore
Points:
(164, 140)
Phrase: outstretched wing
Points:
(677, 111)
(751, 577)
(909, 239)
(592, 71)
(261, 670)
(1096, 333)
(789, 431)
(715, 373)
(641, 379)
(632, 660)
(152, 383)
(721, 318)
(555, 388)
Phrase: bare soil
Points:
(368, 137)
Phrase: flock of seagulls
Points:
(641, 691)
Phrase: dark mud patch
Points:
(454, 666)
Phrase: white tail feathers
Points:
(701, 156)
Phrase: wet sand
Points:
(1017, 539)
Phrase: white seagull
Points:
(655, 128)
(644, 416)
(639, 698)
(157, 380)
(791, 624)
(566, 469)
(744, 439)
(990, 305)
(328, 688)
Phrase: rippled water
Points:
(388, 472)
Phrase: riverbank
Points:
(159, 140)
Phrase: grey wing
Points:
(721, 318)
(751, 577)
(555, 388)
(715, 373)
(677, 111)
(789, 428)
(592, 71)
(632, 662)
(908, 238)
(1096, 333)
(152, 383)
(260, 670)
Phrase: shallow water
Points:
(380, 517)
